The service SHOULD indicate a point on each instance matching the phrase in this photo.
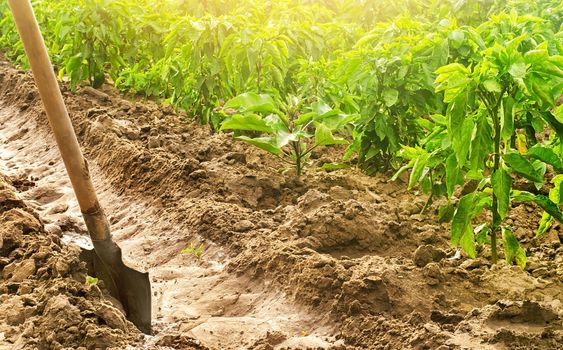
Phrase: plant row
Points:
(464, 95)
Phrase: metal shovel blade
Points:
(132, 288)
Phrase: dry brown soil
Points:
(331, 260)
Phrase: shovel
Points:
(130, 287)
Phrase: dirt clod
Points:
(46, 303)
(426, 254)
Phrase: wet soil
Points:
(334, 260)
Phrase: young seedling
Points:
(282, 129)
(193, 250)
(91, 280)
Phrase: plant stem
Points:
(298, 157)
(258, 76)
(309, 150)
(429, 201)
(496, 216)
(285, 160)
(493, 110)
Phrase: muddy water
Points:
(193, 297)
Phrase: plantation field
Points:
(338, 174)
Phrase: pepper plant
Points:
(509, 79)
(284, 129)
(391, 74)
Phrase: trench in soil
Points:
(192, 296)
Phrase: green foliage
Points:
(284, 128)
(461, 93)
(194, 250)
(91, 280)
(196, 55)
(390, 74)
(512, 250)
(497, 101)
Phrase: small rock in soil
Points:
(433, 273)
(23, 270)
(132, 134)
(198, 174)
(445, 318)
(322, 261)
(426, 254)
(474, 263)
(243, 226)
(237, 156)
(153, 142)
(113, 317)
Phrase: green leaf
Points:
(452, 174)
(462, 218)
(320, 107)
(537, 56)
(248, 122)
(417, 169)
(283, 137)
(456, 116)
(551, 208)
(457, 37)
(482, 200)
(542, 91)
(390, 96)
(545, 224)
(518, 70)
(252, 102)
(522, 196)
(467, 242)
(268, 144)
(558, 114)
(507, 121)
(453, 85)
(305, 118)
(334, 120)
(275, 122)
(452, 67)
(522, 166)
(502, 184)
(461, 141)
(409, 153)
(401, 170)
(482, 232)
(334, 166)
(556, 193)
(492, 85)
(446, 213)
(319, 111)
(324, 137)
(513, 252)
(546, 155)
(425, 123)
(555, 121)
(552, 68)
(481, 144)
(91, 280)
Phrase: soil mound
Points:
(45, 299)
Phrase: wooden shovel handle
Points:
(48, 87)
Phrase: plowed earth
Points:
(333, 260)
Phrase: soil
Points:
(330, 260)
(46, 303)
